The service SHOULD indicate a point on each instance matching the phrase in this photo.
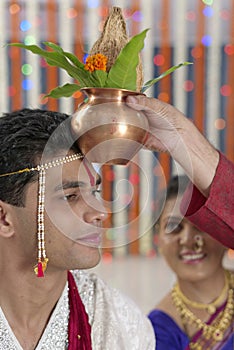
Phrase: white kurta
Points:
(116, 322)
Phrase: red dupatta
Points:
(79, 329)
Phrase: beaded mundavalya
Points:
(42, 259)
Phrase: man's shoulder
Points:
(94, 290)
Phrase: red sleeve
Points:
(215, 214)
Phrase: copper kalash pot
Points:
(107, 129)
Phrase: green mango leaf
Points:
(53, 46)
(58, 59)
(66, 90)
(100, 77)
(68, 55)
(73, 59)
(123, 73)
(151, 82)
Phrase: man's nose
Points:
(96, 212)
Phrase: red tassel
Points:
(40, 272)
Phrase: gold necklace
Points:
(211, 307)
(209, 331)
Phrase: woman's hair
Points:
(24, 134)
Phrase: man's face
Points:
(73, 217)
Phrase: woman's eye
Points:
(96, 192)
(173, 227)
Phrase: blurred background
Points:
(199, 31)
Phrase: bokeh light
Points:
(226, 90)
(159, 60)
(27, 84)
(93, 4)
(14, 8)
(30, 40)
(208, 2)
(77, 94)
(229, 49)
(188, 85)
(26, 69)
(72, 13)
(134, 179)
(107, 257)
(25, 25)
(208, 11)
(137, 16)
(206, 40)
(220, 124)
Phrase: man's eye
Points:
(71, 197)
(173, 227)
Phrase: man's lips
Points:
(93, 239)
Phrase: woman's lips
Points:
(192, 257)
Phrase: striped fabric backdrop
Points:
(180, 30)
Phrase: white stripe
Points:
(148, 52)
(120, 216)
(147, 193)
(180, 41)
(66, 40)
(33, 95)
(213, 74)
(92, 30)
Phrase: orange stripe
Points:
(134, 209)
(79, 44)
(107, 196)
(230, 99)
(16, 77)
(51, 72)
(199, 72)
(165, 83)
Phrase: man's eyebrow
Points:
(74, 184)
(69, 184)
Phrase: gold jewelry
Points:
(211, 307)
(199, 242)
(214, 331)
(42, 260)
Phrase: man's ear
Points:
(6, 225)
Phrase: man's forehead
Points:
(79, 170)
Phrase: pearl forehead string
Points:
(42, 259)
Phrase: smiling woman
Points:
(198, 312)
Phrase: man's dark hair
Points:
(23, 137)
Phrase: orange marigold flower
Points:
(96, 62)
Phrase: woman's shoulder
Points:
(167, 307)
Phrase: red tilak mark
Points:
(91, 177)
